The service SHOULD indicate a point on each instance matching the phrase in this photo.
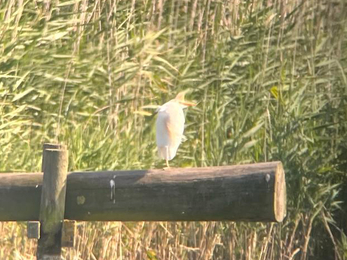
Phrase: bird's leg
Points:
(167, 163)
(167, 158)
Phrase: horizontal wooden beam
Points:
(253, 192)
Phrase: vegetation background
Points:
(270, 80)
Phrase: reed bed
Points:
(270, 81)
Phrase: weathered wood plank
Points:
(253, 192)
(20, 196)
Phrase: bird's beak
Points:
(180, 99)
(187, 103)
(180, 96)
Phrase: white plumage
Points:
(170, 126)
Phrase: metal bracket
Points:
(68, 235)
(33, 229)
(68, 232)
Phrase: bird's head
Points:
(180, 99)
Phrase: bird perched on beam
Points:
(170, 126)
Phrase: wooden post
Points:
(252, 192)
(52, 207)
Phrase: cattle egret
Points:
(170, 126)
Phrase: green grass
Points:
(270, 82)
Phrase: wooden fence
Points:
(51, 201)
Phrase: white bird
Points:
(170, 126)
